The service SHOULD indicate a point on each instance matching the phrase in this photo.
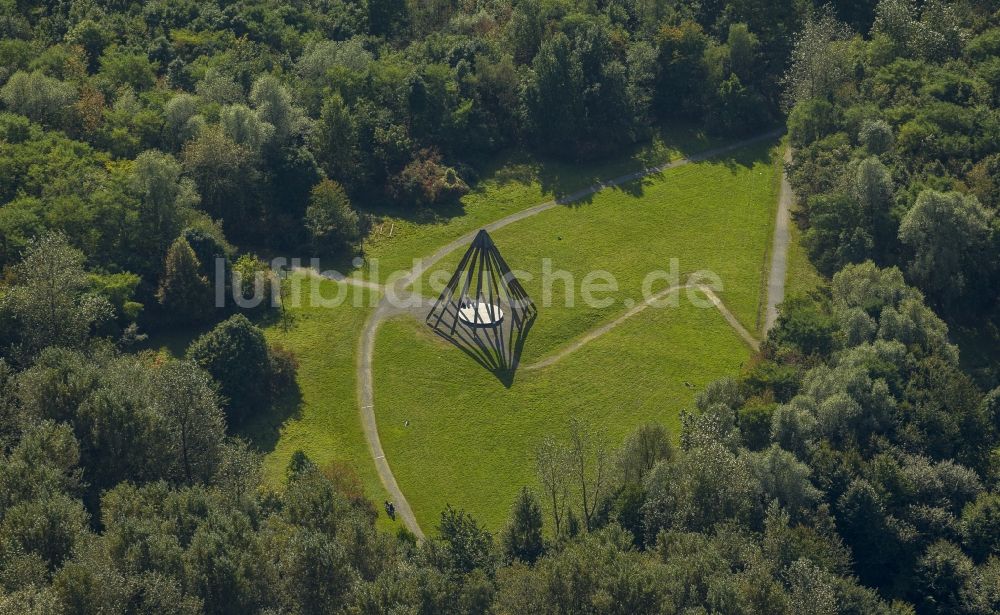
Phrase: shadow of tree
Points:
(569, 181)
(746, 157)
(277, 316)
(558, 179)
(175, 340)
(263, 429)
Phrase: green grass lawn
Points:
(457, 435)
(321, 416)
(513, 182)
(470, 441)
(716, 215)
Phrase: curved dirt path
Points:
(366, 346)
(593, 334)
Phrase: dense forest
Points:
(852, 467)
(898, 156)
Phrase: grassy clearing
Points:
(688, 213)
(510, 184)
(470, 441)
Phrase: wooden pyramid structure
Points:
(484, 310)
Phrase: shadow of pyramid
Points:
(484, 311)
(497, 349)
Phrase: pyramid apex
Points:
(482, 238)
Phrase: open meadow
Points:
(454, 433)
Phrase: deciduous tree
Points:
(333, 224)
(947, 233)
(819, 59)
(184, 292)
(590, 462)
(186, 397)
(226, 176)
(235, 354)
(49, 301)
(522, 538)
(165, 200)
(643, 449)
(43, 99)
(552, 463)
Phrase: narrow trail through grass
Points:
(661, 296)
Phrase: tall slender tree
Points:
(184, 293)
(522, 538)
